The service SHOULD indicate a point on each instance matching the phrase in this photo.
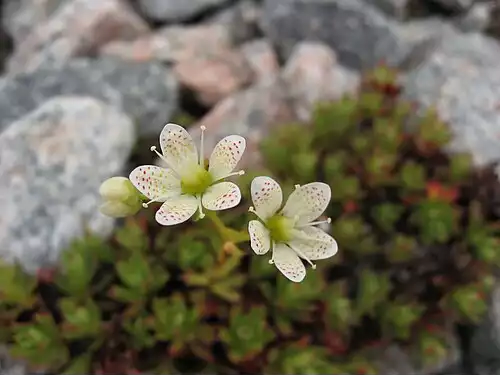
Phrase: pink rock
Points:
(77, 28)
(262, 58)
(214, 77)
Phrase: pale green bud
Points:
(120, 197)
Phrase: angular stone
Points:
(53, 161)
(77, 28)
(358, 32)
(461, 79)
(214, 77)
(240, 20)
(20, 17)
(312, 74)
(175, 10)
(172, 44)
(147, 92)
(261, 56)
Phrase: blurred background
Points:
(87, 85)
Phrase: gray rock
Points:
(462, 80)
(20, 17)
(76, 28)
(52, 162)
(477, 18)
(241, 20)
(175, 10)
(359, 33)
(394, 8)
(9, 366)
(485, 348)
(147, 92)
(455, 5)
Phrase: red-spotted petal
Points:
(178, 147)
(177, 210)
(289, 263)
(314, 244)
(266, 196)
(155, 182)
(221, 196)
(226, 155)
(260, 238)
(308, 202)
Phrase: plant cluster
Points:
(417, 236)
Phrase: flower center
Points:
(280, 228)
(196, 180)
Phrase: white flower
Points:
(290, 231)
(187, 186)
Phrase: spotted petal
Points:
(289, 263)
(178, 147)
(266, 196)
(308, 202)
(314, 244)
(177, 210)
(221, 196)
(260, 238)
(155, 182)
(226, 154)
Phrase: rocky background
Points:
(84, 80)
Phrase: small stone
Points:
(175, 10)
(394, 8)
(76, 28)
(261, 56)
(312, 75)
(214, 77)
(172, 44)
(147, 92)
(53, 161)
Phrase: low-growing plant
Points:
(417, 239)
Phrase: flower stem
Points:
(227, 234)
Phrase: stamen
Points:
(297, 186)
(153, 148)
(271, 261)
(327, 221)
(239, 173)
(200, 208)
(301, 254)
(157, 199)
(202, 150)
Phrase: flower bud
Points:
(120, 197)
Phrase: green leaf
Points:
(17, 287)
(304, 165)
(412, 176)
(340, 311)
(373, 289)
(79, 365)
(132, 237)
(139, 329)
(293, 298)
(80, 319)
(401, 248)
(39, 343)
(436, 221)
(78, 268)
(194, 254)
(135, 271)
(125, 295)
(334, 120)
(469, 302)
(386, 215)
(175, 320)
(247, 334)
(398, 318)
(296, 359)
(346, 188)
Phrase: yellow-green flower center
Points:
(196, 180)
(280, 228)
